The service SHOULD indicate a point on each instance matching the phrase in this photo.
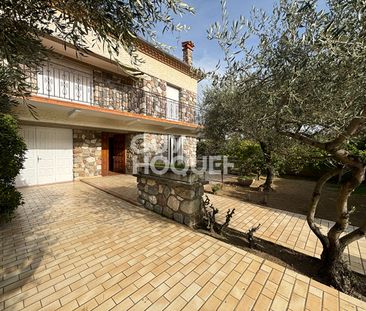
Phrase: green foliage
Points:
(207, 147)
(247, 155)
(305, 76)
(12, 153)
(10, 200)
(216, 188)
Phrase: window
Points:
(172, 109)
(175, 149)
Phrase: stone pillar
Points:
(87, 153)
(174, 196)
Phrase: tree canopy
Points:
(303, 70)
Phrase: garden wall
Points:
(171, 195)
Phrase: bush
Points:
(12, 155)
(246, 154)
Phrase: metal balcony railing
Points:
(66, 83)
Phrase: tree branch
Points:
(305, 139)
(353, 236)
(352, 129)
(314, 204)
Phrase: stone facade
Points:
(190, 150)
(144, 96)
(155, 96)
(87, 153)
(174, 196)
(112, 91)
(142, 147)
(188, 106)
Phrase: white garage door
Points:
(49, 156)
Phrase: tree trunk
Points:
(267, 186)
(335, 269)
(333, 266)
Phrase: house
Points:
(95, 118)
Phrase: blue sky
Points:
(207, 53)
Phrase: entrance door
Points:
(113, 154)
(118, 154)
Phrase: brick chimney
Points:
(187, 48)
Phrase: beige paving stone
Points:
(177, 304)
(175, 291)
(279, 303)
(72, 247)
(211, 304)
(263, 303)
(246, 303)
(229, 303)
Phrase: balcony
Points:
(87, 87)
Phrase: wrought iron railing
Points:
(66, 83)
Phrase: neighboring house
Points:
(90, 112)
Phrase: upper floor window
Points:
(172, 109)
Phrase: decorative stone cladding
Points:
(190, 150)
(142, 147)
(143, 96)
(87, 153)
(155, 100)
(188, 107)
(115, 92)
(174, 196)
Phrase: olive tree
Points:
(305, 69)
(228, 113)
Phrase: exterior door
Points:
(119, 153)
(172, 109)
(49, 157)
(113, 156)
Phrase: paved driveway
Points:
(282, 227)
(73, 247)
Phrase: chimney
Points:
(187, 48)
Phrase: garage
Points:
(49, 158)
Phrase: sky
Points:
(207, 53)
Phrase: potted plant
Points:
(245, 181)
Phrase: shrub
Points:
(216, 188)
(12, 155)
(246, 154)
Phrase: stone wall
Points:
(190, 150)
(142, 147)
(143, 96)
(87, 153)
(113, 91)
(174, 196)
(155, 96)
(188, 102)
